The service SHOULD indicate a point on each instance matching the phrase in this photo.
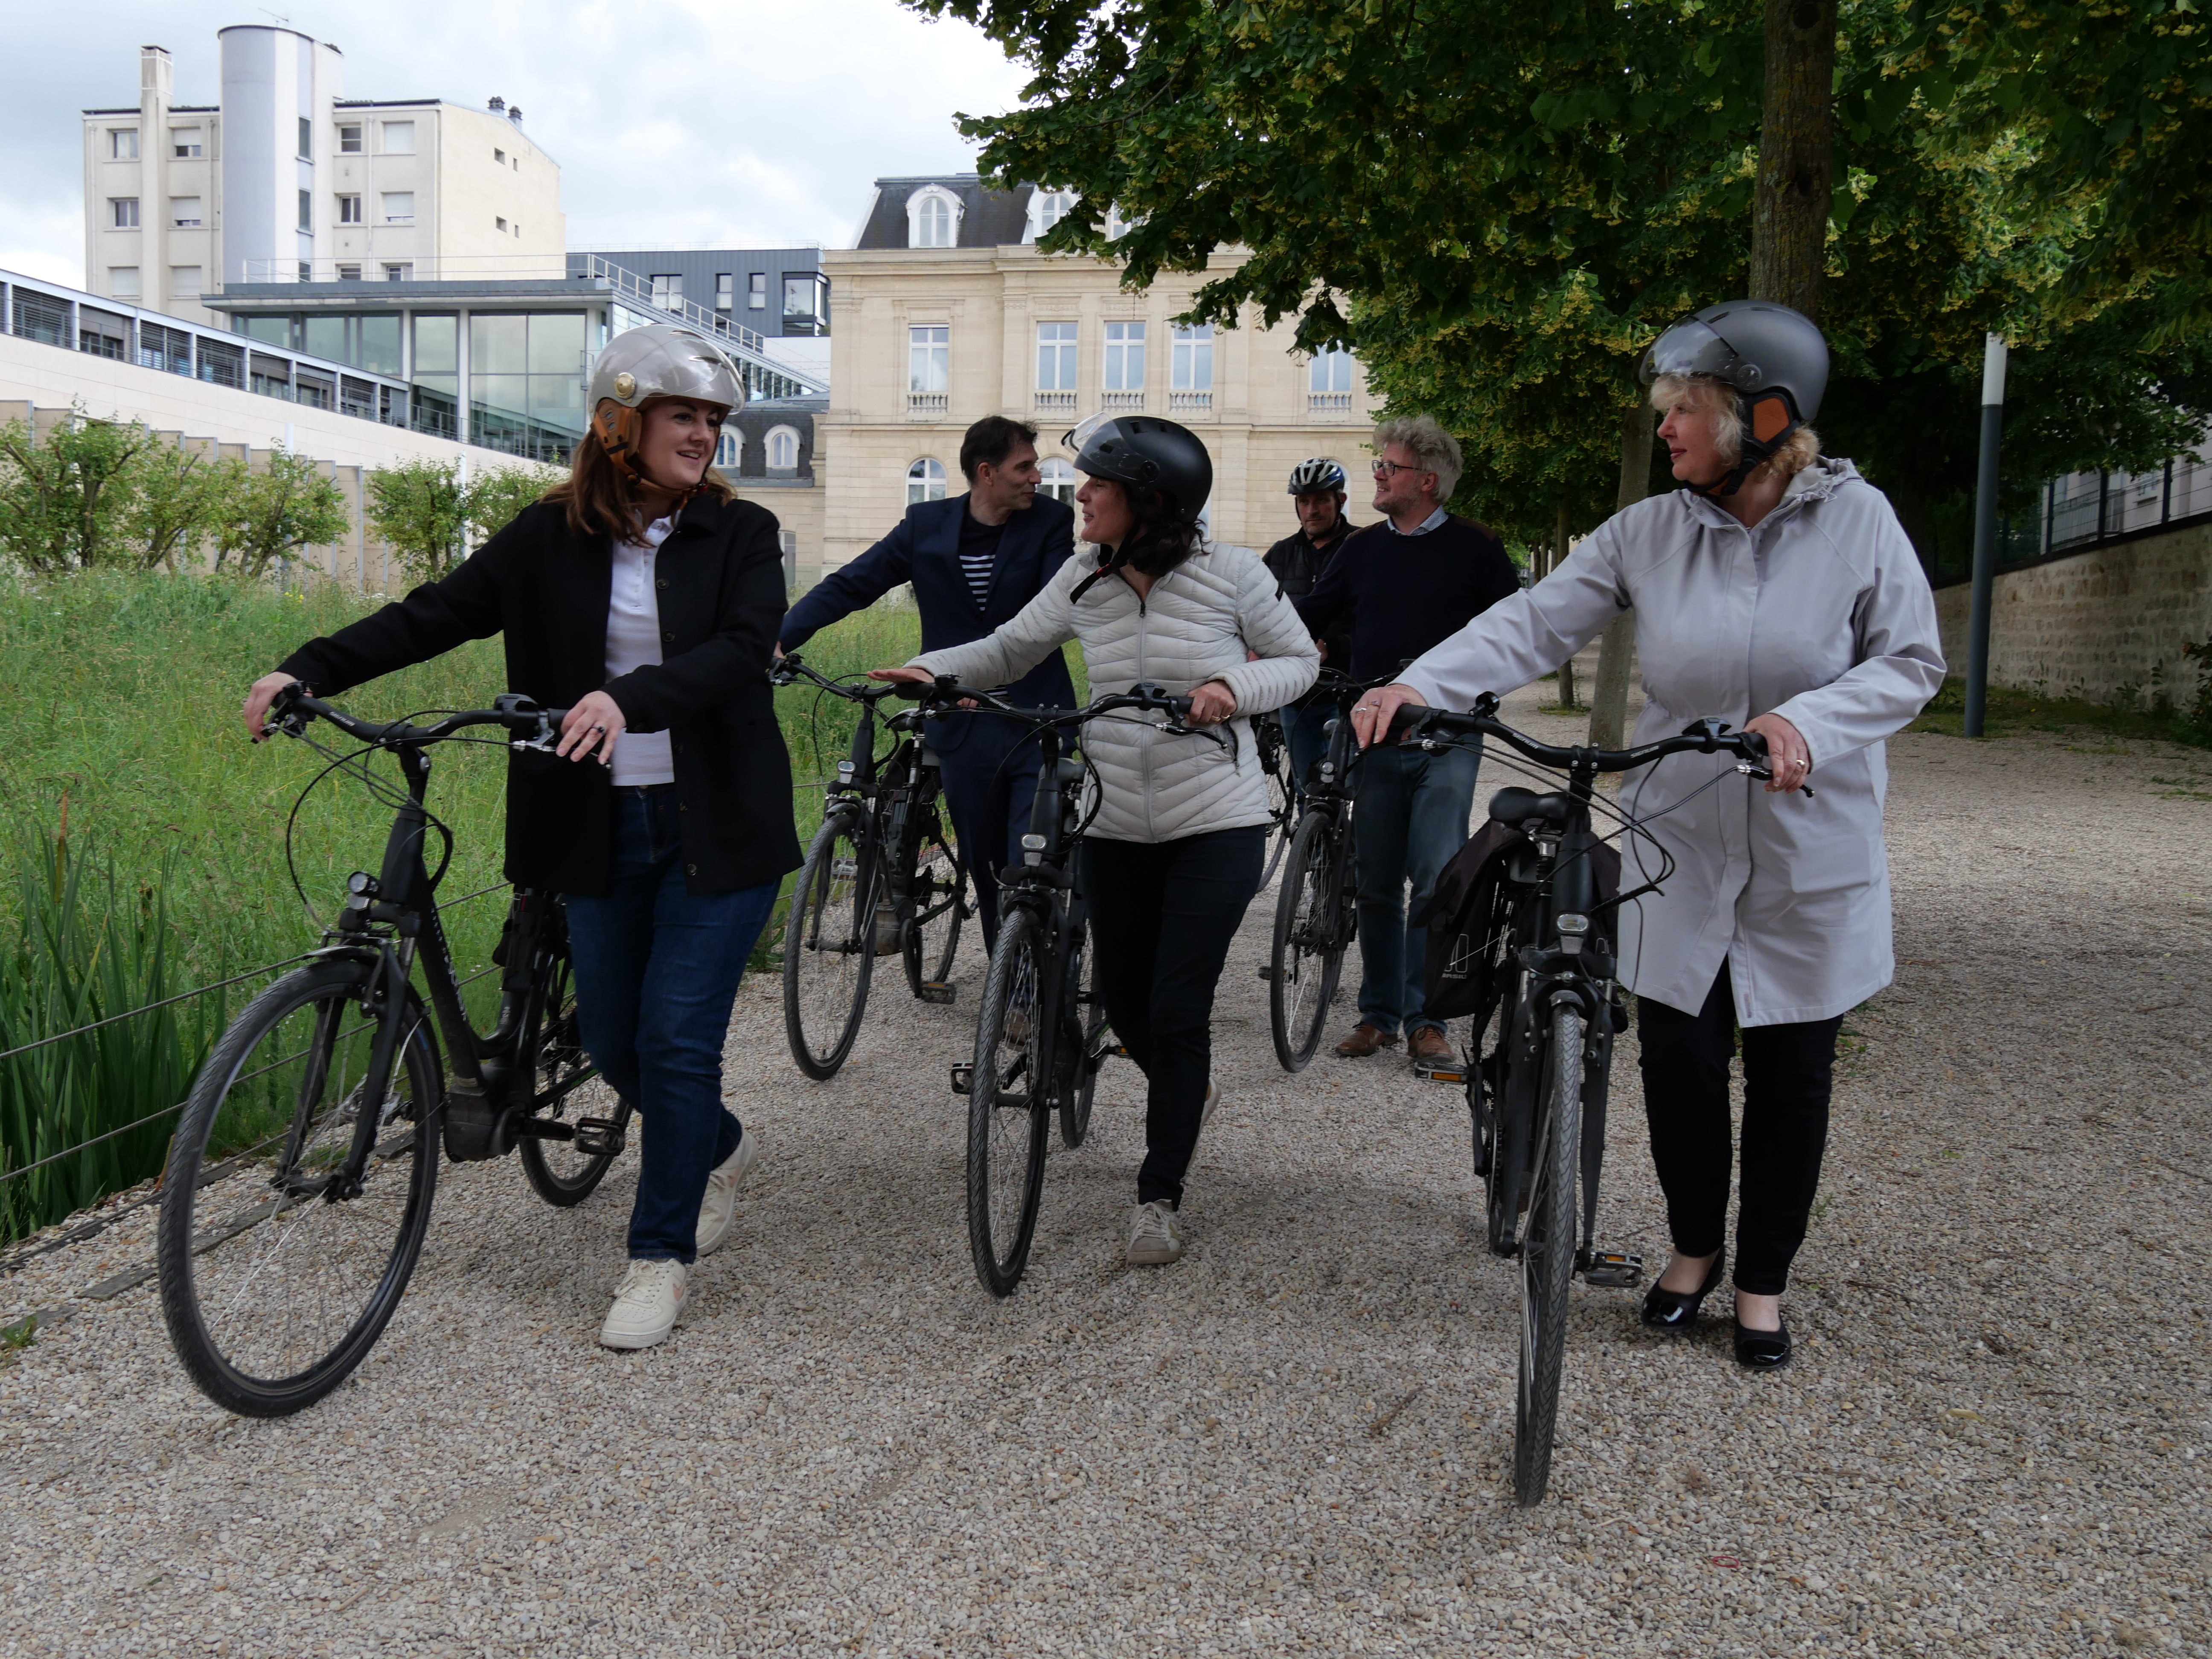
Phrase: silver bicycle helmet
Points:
(665, 360)
(1319, 473)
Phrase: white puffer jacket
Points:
(1198, 624)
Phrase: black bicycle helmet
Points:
(1319, 473)
(1774, 358)
(1147, 453)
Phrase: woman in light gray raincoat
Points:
(1778, 592)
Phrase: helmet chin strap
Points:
(1113, 563)
(1754, 454)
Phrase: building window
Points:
(1331, 372)
(169, 349)
(123, 212)
(730, 452)
(1125, 357)
(306, 209)
(398, 207)
(186, 282)
(1119, 224)
(349, 138)
(756, 291)
(348, 273)
(185, 212)
(1192, 368)
(350, 211)
(1058, 479)
(498, 223)
(782, 446)
(184, 144)
(667, 290)
(122, 281)
(103, 334)
(398, 137)
(498, 155)
(928, 368)
(1047, 208)
(924, 482)
(932, 217)
(798, 296)
(122, 143)
(307, 139)
(1056, 353)
(307, 270)
(399, 273)
(725, 290)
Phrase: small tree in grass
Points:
(497, 495)
(268, 514)
(180, 496)
(428, 515)
(62, 500)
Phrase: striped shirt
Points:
(979, 553)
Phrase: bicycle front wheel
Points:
(1009, 1108)
(278, 1273)
(1547, 1258)
(937, 899)
(1088, 1030)
(1273, 743)
(1308, 945)
(568, 1090)
(829, 946)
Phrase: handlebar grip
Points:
(1754, 745)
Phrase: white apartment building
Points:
(285, 179)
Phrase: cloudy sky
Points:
(741, 123)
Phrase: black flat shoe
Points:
(1672, 1310)
(1763, 1350)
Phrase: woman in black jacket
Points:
(644, 598)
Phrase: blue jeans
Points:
(1308, 738)
(1411, 817)
(657, 969)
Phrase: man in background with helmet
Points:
(974, 561)
(1317, 491)
(1402, 587)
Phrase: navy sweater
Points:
(1406, 594)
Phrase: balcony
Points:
(1055, 403)
(926, 405)
(1123, 403)
(1190, 403)
(1329, 403)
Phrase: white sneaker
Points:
(647, 1303)
(719, 1208)
(1153, 1241)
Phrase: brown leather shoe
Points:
(1431, 1047)
(1364, 1040)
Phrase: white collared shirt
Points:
(634, 642)
(1422, 528)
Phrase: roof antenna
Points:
(278, 16)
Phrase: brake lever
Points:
(1759, 772)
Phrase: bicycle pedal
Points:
(599, 1137)
(1452, 1074)
(938, 992)
(1267, 973)
(1620, 1270)
(964, 1076)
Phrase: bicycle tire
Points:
(1547, 1259)
(1008, 1128)
(1091, 1030)
(282, 1351)
(555, 1171)
(1282, 794)
(1308, 956)
(936, 897)
(829, 945)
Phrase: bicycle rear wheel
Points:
(1009, 1117)
(276, 1280)
(937, 898)
(829, 945)
(1547, 1258)
(572, 1091)
(1309, 944)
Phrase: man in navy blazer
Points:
(974, 561)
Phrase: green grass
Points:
(2008, 712)
(124, 694)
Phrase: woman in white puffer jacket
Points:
(1175, 852)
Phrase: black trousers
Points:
(1788, 1073)
(1162, 916)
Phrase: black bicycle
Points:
(1271, 741)
(1041, 1037)
(883, 877)
(281, 1264)
(1549, 1005)
(1317, 907)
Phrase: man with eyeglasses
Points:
(1404, 586)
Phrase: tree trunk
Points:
(1796, 151)
(1608, 726)
(1559, 558)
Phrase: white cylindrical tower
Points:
(277, 88)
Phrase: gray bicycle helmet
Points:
(1319, 473)
(1775, 358)
(662, 360)
(1148, 453)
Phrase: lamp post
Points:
(1985, 535)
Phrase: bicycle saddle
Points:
(1517, 806)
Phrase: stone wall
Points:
(2097, 622)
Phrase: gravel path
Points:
(1296, 1441)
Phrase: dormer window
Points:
(1048, 207)
(932, 217)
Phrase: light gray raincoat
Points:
(1821, 614)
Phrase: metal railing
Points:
(2084, 510)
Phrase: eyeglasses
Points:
(1384, 469)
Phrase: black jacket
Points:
(1402, 595)
(720, 577)
(1299, 563)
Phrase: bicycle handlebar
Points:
(1156, 698)
(1705, 737)
(288, 709)
(791, 666)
